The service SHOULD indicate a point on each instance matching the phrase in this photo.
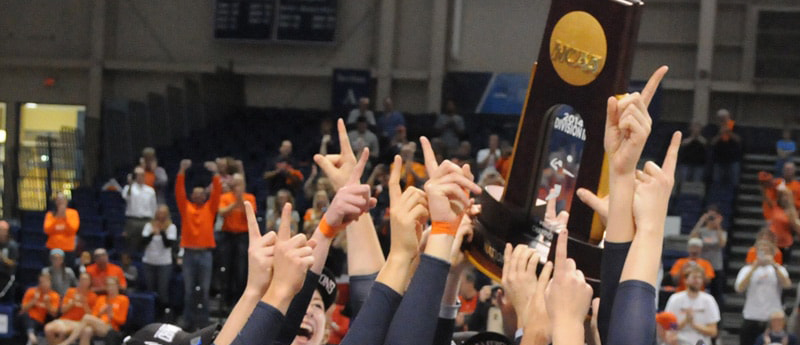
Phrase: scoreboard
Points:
(275, 20)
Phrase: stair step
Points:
(794, 270)
(754, 210)
(749, 197)
(758, 167)
(749, 222)
(760, 157)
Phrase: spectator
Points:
(763, 282)
(692, 155)
(38, 303)
(487, 158)
(325, 141)
(412, 174)
(233, 244)
(469, 298)
(362, 137)
(769, 186)
(463, 154)
(765, 234)
(154, 175)
(504, 163)
(678, 271)
(314, 214)
(141, 206)
(9, 255)
(274, 214)
(159, 236)
(61, 276)
(284, 176)
(667, 328)
(129, 270)
(709, 230)
(228, 167)
(450, 126)
(102, 269)
(361, 111)
(83, 261)
(391, 119)
(785, 148)
(109, 314)
(316, 183)
(197, 241)
(775, 332)
(727, 151)
(783, 220)
(77, 301)
(697, 312)
(398, 141)
(61, 227)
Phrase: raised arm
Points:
(568, 298)
(180, 186)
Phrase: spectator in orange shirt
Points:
(61, 227)
(198, 215)
(154, 175)
(765, 234)
(38, 303)
(76, 303)
(412, 174)
(102, 269)
(109, 313)
(314, 214)
(783, 219)
(234, 240)
(694, 259)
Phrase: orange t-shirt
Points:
(99, 276)
(197, 222)
(236, 219)
(468, 305)
(752, 255)
(677, 268)
(36, 312)
(76, 312)
(61, 232)
(771, 195)
(503, 166)
(779, 225)
(150, 178)
(119, 310)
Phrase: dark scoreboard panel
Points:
(275, 20)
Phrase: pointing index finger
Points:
(252, 222)
(668, 166)
(344, 140)
(394, 180)
(358, 170)
(561, 250)
(284, 230)
(430, 156)
(652, 84)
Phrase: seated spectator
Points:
(314, 214)
(697, 312)
(141, 203)
(101, 269)
(785, 148)
(154, 175)
(709, 229)
(110, 312)
(390, 120)
(776, 331)
(412, 174)
(666, 329)
(159, 236)
(78, 301)
(61, 276)
(61, 226)
(765, 234)
(762, 282)
(692, 155)
(682, 265)
(39, 303)
(487, 158)
(233, 243)
(362, 137)
(783, 220)
(274, 214)
(83, 261)
(9, 255)
(450, 126)
(727, 151)
(130, 271)
(361, 111)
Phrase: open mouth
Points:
(305, 332)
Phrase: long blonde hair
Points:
(167, 222)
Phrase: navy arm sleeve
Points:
(297, 309)
(371, 325)
(613, 261)
(444, 331)
(633, 316)
(360, 287)
(261, 327)
(415, 320)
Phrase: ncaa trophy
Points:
(586, 56)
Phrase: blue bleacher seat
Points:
(7, 312)
(142, 310)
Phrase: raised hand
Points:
(260, 254)
(185, 164)
(628, 124)
(447, 187)
(212, 167)
(408, 214)
(519, 276)
(292, 258)
(568, 296)
(338, 167)
(598, 204)
(537, 327)
(654, 188)
(352, 200)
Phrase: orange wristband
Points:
(328, 230)
(443, 228)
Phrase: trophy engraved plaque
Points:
(585, 56)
